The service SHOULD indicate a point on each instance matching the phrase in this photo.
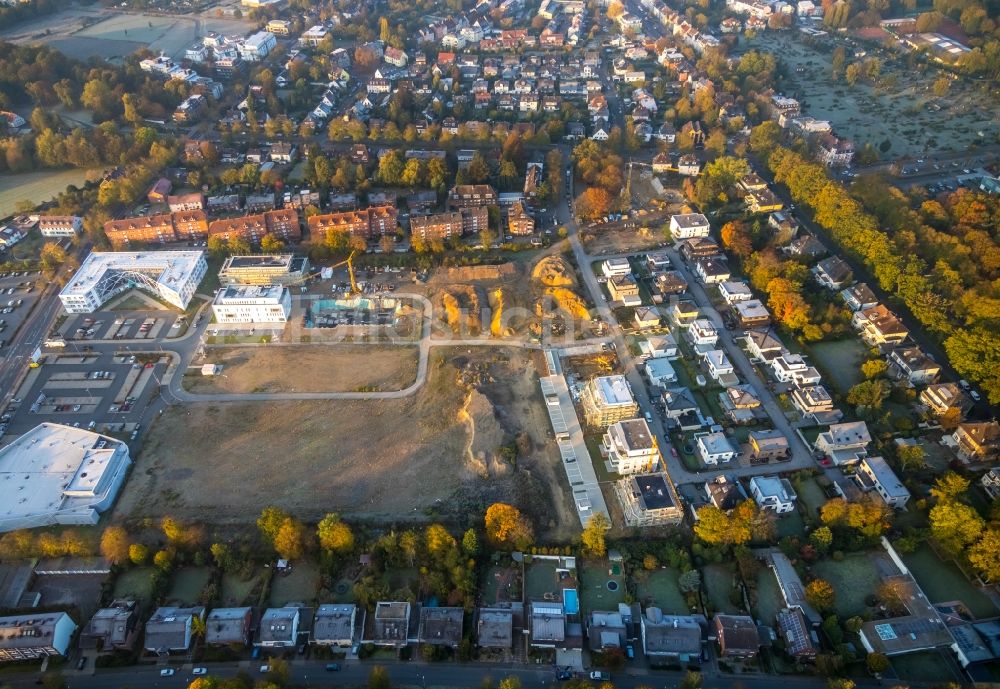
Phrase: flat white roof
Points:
(52, 468)
(751, 308)
(617, 262)
(614, 391)
(689, 220)
(169, 268)
(249, 294)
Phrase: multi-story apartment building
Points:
(606, 400)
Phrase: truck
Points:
(55, 343)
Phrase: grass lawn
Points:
(502, 584)
(769, 599)
(540, 579)
(595, 593)
(853, 578)
(299, 586)
(810, 494)
(659, 588)
(791, 524)
(134, 583)
(840, 361)
(943, 581)
(719, 582)
(236, 590)
(187, 584)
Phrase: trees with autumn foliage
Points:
(820, 594)
(594, 203)
(736, 238)
(867, 519)
(506, 527)
(937, 256)
(593, 537)
(739, 526)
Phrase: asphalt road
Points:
(31, 334)
(426, 676)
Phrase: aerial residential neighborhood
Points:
(499, 343)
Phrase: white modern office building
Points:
(252, 304)
(172, 276)
(56, 474)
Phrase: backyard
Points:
(600, 589)
(659, 588)
(187, 584)
(943, 582)
(502, 584)
(853, 578)
(236, 590)
(298, 586)
(840, 361)
(769, 600)
(720, 588)
(135, 583)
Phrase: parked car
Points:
(333, 667)
(167, 672)
(199, 671)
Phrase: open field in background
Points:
(83, 32)
(319, 368)
(379, 459)
(898, 114)
(37, 187)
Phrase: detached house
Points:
(625, 289)
(859, 297)
(792, 368)
(875, 474)
(941, 397)
(910, 364)
(711, 271)
(714, 448)
(688, 225)
(832, 272)
(768, 445)
(737, 636)
(845, 443)
(879, 326)
(773, 493)
(977, 441)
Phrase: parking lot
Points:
(17, 295)
(117, 325)
(104, 391)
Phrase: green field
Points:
(37, 187)
(594, 591)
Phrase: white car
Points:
(167, 672)
(200, 671)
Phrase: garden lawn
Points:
(943, 582)
(299, 586)
(187, 584)
(719, 583)
(769, 599)
(594, 591)
(841, 361)
(853, 578)
(236, 590)
(135, 583)
(658, 588)
(810, 494)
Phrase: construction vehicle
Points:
(349, 262)
(350, 271)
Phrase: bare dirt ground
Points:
(434, 454)
(307, 368)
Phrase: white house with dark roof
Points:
(874, 473)
(845, 443)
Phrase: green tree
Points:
(874, 368)
(949, 486)
(691, 680)
(138, 554)
(270, 521)
(470, 543)
(911, 457)
(689, 581)
(868, 396)
(877, 663)
(955, 525)
(593, 535)
(984, 555)
(821, 539)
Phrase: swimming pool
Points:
(571, 602)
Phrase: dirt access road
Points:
(307, 368)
